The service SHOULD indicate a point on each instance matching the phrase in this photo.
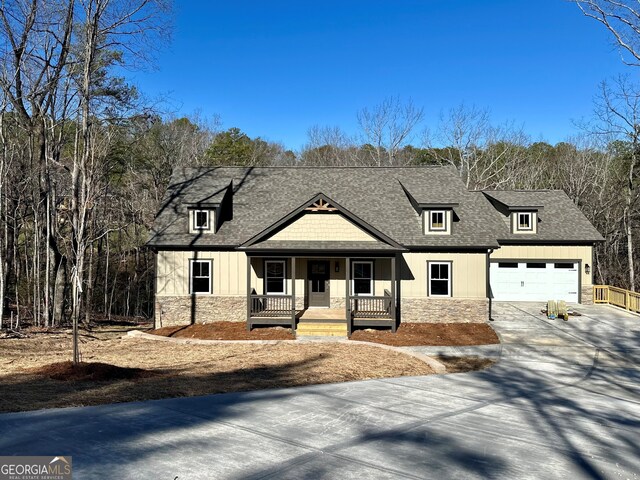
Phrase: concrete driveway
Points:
(563, 402)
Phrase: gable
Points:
(322, 227)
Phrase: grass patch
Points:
(465, 364)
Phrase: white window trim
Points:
(353, 280)
(195, 217)
(450, 265)
(443, 228)
(524, 229)
(198, 260)
(284, 277)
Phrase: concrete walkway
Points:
(562, 402)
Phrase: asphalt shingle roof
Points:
(264, 195)
(559, 219)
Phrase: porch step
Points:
(324, 329)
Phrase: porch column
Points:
(393, 294)
(248, 293)
(293, 294)
(347, 295)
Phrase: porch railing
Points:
(271, 305)
(371, 307)
(617, 296)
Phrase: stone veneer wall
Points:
(176, 310)
(586, 295)
(444, 310)
(172, 311)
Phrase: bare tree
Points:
(484, 155)
(617, 112)
(329, 146)
(622, 19)
(388, 127)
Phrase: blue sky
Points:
(275, 68)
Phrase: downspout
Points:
(489, 252)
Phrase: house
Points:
(363, 245)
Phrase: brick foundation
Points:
(172, 311)
(586, 295)
(444, 310)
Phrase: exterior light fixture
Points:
(337, 266)
(587, 269)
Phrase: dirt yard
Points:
(175, 370)
(435, 334)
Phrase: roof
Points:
(383, 199)
(517, 199)
(559, 219)
(342, 246)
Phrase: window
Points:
(564, 265)
(439, 279)
(437, 220)
(507, 265)
(201, 219)
(362, 282)
(524, 221)
(200, 276)
(275, 277)
(536, 265)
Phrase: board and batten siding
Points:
(322, 227)
(469, 274)
(229, 272)
(551, 253)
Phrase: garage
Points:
(532, 280)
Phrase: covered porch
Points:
(287, 289)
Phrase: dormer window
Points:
(524, 222)
(201, 220)
(437, 221)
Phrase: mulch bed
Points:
(225, 331)
(91, 371)
(431, 334)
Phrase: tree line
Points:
(85, 160)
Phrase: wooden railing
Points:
(371, 307)
(617, 296)
(271, 305)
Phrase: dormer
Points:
(437, 220)
(202, 218)
(207, 215)
(435, 207)
(521, 210)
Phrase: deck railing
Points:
(617, 296)
(371, 306)
(271, 305)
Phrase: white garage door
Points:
(534, 281)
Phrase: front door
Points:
(318, 288)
